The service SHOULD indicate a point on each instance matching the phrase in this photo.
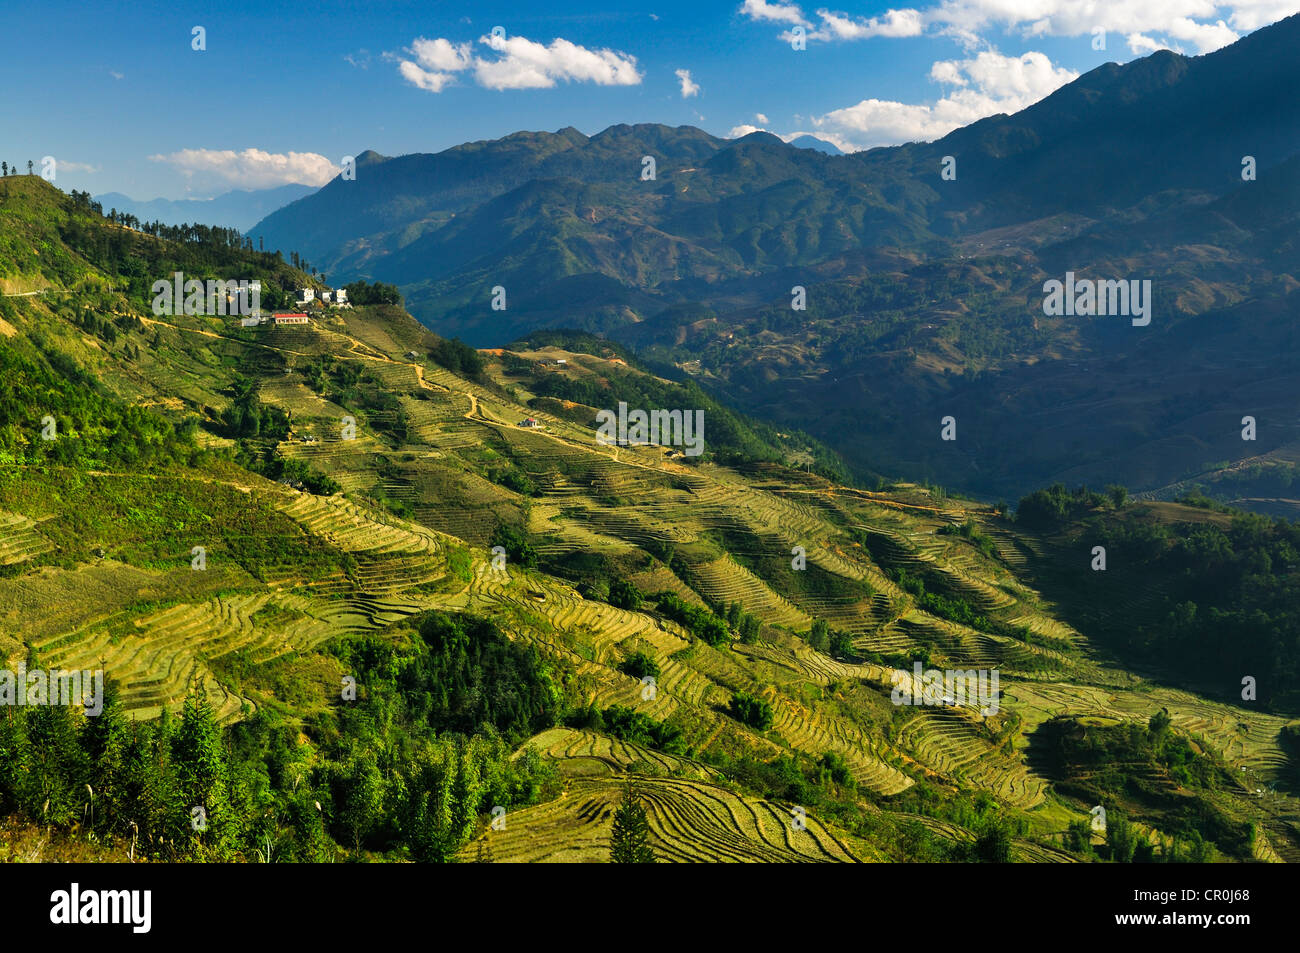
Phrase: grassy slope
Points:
(288, 570)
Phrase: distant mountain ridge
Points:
(922, 290)
(240, 208)
(812, 142)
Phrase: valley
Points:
(923, 293)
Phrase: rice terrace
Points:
(525, 502)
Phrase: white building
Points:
(306, 295)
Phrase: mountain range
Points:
(240, 208)
(923, 267)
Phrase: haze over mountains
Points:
(239, 208)
(924, 295)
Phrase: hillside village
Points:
(303, 297)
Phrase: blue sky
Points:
(281, 93)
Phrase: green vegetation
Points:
(1050, 508)
(639, 665)
(351, 385)
(949, 607)
(582, 342)
(369, 779)
(830, 641)
(700, 622)
(743, 623)
(629, 841)
(361, 293)
(514, 479)
(246, 416)
(625, 724)
(272, 464)
(1155, 773)
(728, 436)
(971, 532)
(752, 711)
(156, 521)
(519, 548)
(375, 574)
(89, 428)
(625, 595)
(458, 357)
(467, 677)
(1220, 595)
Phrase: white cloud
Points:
(775, 12)
(436, 62)
(1250, 15)
(429, 80)
(838, 141)
(115, 74)
(1207, 37)
(1147, 24)
(530, 65)
(895, 23)
(948, 72)
(522, 64)
(1140, 44)
(761, 118)
(986, 85)
(442, 55)
(738, 132)
(1206, 25)
(689, 87)
(251, 168)
(65, 165)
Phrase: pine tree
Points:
(630, 838)
(104, 739)
(198, 755)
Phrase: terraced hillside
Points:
(822, 592)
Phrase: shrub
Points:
(752, 711)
